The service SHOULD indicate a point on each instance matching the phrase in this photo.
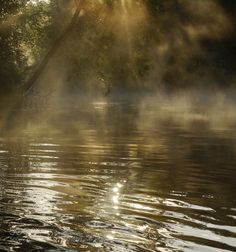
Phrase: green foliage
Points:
(119, 45)
(23, 37)
(11, 58)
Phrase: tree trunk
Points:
(18, 97)
(28, 85)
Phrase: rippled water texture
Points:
(112, 177)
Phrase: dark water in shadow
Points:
(111, 177)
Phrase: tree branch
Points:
(29, 84)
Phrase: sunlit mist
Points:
(117, 125)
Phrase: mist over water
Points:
(120, 177)
(126, 141)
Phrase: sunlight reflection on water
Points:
(119, 182)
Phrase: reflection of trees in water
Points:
(13, 166)
(192, 159)
(14, 160)
(157, 142)
(200, 160)
(104, 144)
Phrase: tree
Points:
(12, 60)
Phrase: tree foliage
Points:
(119, 45)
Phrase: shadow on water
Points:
(118, 177)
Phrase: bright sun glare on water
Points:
(109, 151)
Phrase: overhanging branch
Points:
(29, 84)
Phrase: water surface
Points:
(117, 177)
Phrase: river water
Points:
(114, 177)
